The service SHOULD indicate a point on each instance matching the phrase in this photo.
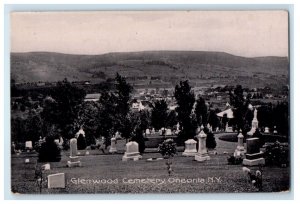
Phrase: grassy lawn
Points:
(188, 175)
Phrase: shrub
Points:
(49, 151)
(81, 142)
(277, 154)
(167, 148)
(211, 141)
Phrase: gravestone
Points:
(117, 135)
(113, 147)
(254, 124)
(190, 148)
(28, 145)
(153, 131)
(168, 132)
(254, 156)
(56, 180)
(209, 127)
(74, 159)
(267, 130)
(240, 149)
(202, 154)
(132, 152)
(27, 161)
(160, 132)
(46, 167)
(148, 132)
(228, 129)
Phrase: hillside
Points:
(201, 68)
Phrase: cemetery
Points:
(125, 170)
(105, 147)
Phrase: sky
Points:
(242, 33)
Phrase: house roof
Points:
(229, 113)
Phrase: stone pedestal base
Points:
(202, 157)
(254, 159)
(134, 156)
(112, 150)
(74, 162)
(254, 162)
(189, 153)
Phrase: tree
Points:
(122, 96)
(33, 126)
(213, 119)
(145, 118)
(114, 109)
(240, 106)
(18, 130)
(185, 101)
(88, 119)
(201, 111)
(63, 107)
(281, 118)
(171, 120)
(49, 151)
(159, 114)
(106, 116)
(210, 141)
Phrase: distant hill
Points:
(201, 68)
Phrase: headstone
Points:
(148, 132)
(56, 180)
(240, 149)
(117, 135)
(87, 153)
(46, 167)
(160, 132)
(74, 159)
(254, 156)
(153, 130)
(60, 142)
(26, 161)
(202, 127)
(28, 145)
(228, 129)
(113, 147)
(254, 124)
(209, 127)
(168, 132)
(202, 154)
(267, 130)
(190, 148)
(132, 152)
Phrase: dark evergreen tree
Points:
(159, 114)
(185, 101)
(201, 111)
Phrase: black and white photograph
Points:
(150, 102)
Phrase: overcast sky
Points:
(243, 33)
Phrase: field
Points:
(187, 176)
